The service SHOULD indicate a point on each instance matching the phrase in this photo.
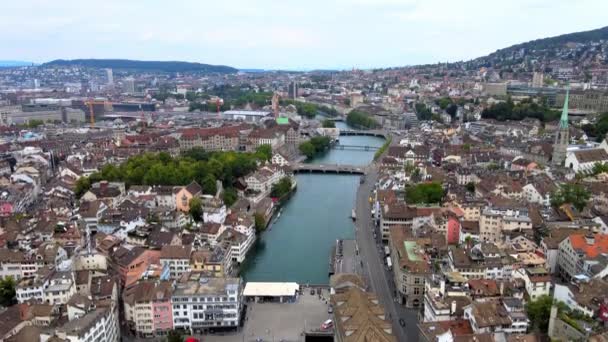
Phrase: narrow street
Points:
(372, 254)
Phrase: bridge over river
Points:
(330, 168)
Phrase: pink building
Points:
(6, 209)
(162, 309)
(453, 226)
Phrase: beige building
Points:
(410, 266)
(210, 139)
(587, 100)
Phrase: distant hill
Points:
(559, 41)
(11, 64)
(162, 66)
(576, 47)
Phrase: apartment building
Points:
(175, 261)
(147, 307)
(200, 303)
(410, 266)
(494, 222)
(482, 261)
(210, 139)
(579, 253)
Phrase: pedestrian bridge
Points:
(355, 147)
(330, 168)
(371, 132)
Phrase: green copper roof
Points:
(283, 121)
(410, 249)
(563, 122)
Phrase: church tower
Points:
(562, 137)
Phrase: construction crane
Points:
(218, 103)
(90, 103)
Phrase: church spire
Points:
(563, 122)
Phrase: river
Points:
(296, 247)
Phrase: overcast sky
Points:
(303, 34)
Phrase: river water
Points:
(296, 247)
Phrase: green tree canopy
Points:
(264, 152)
(162, 169)
(539, 311)
(282, 188)
(571, 193)
(357, 118)
(230, 196)
(196, 209)
(424, 193)
(314, 146)
(328, 123)
(422, 112)
(260, 222)
(175, 336)
(525, 109)
(7, 291)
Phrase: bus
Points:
(387, 251)
(389, 263)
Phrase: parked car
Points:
(401, 322)
(312, 292)
(330, 309)
(327, 324)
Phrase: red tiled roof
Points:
(599, 246)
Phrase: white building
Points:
(60, 288)
(175, 261)
(206, 303)
(584, 160)
(536, 280)
(99, 325)
(279, 159)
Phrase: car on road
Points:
(401, 322)
(327, 324)
(330, 309)
(312, 292)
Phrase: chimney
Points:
(453, 308)
(590, 239)
(502, 287)
(442, 284)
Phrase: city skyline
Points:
(287, 35)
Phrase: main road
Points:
(372, 254)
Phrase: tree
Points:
(539, 311)
(260, 222)
(209, 185)
(7, 291)
(196, 209)
(229, 196)
(328, 123)
(422, 112)
(34, 123)
(175, 336)
(307, 149)
(282, 188)
(452, 110)
(571, 193)
(358, 118)
(444, 102)
(264, 152)
(470, 186)
(346, 102)
(426, 193)
(83, 184)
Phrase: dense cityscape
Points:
(178, 201)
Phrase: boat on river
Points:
(353, 215)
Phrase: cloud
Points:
(287, 34)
